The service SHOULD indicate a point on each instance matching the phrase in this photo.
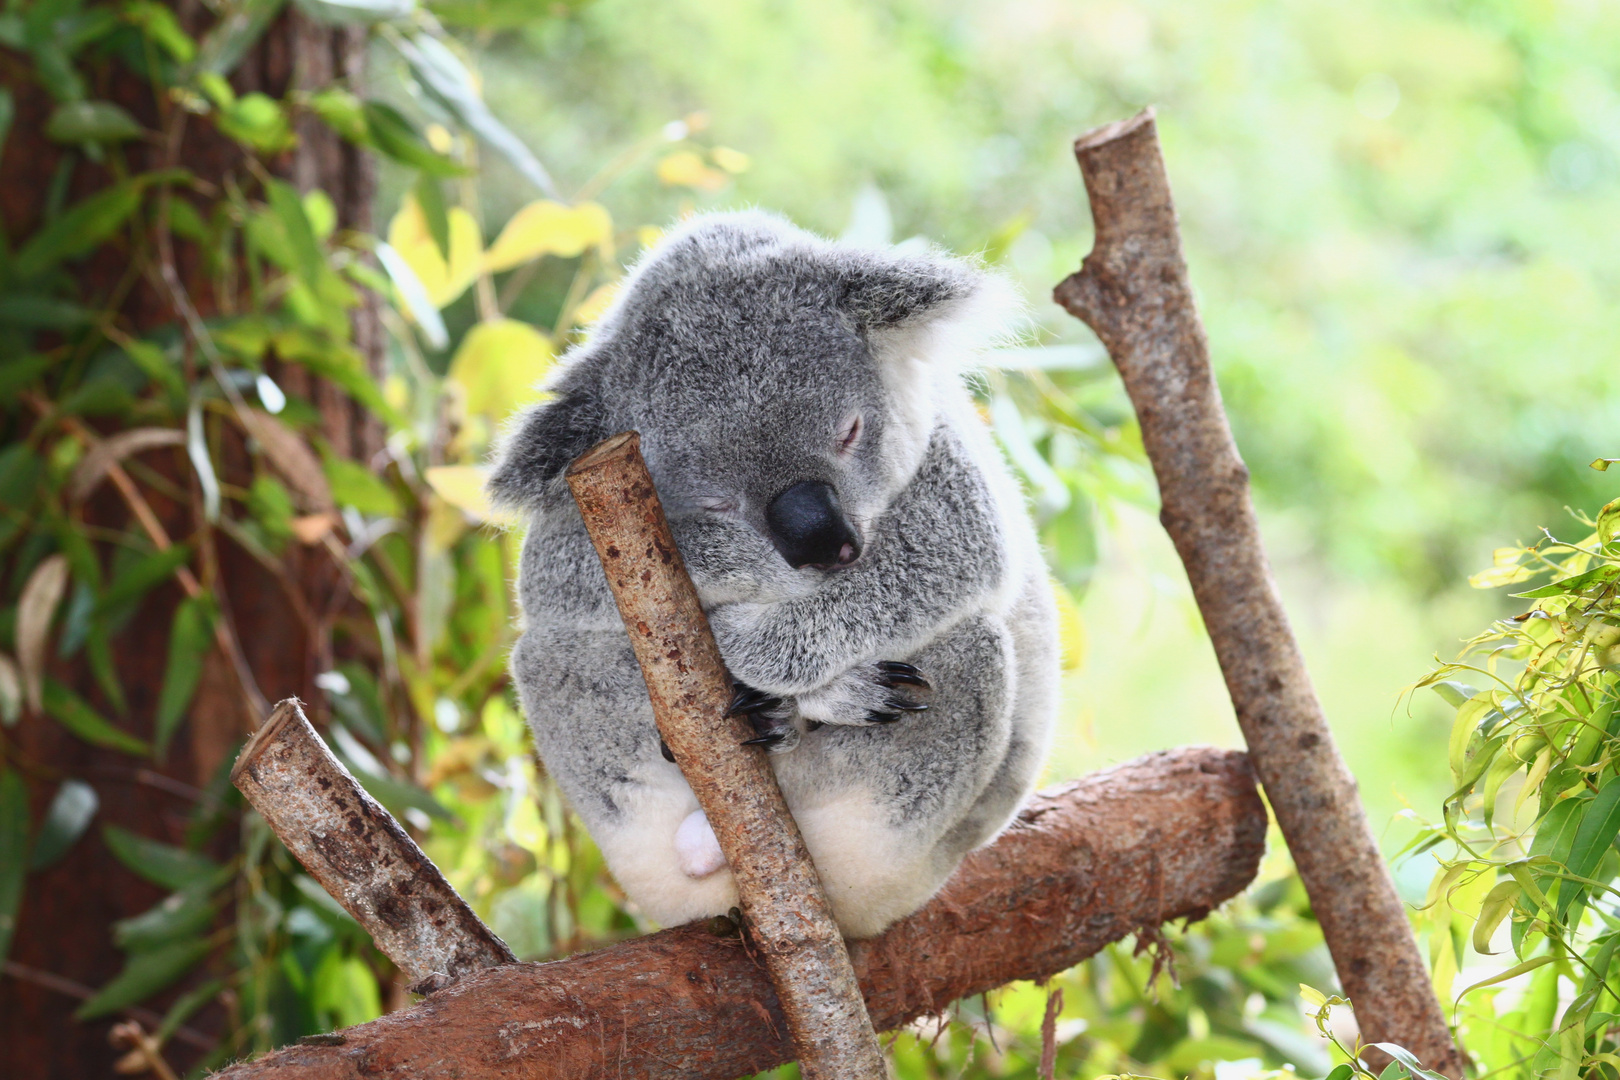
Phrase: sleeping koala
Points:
(864, 557)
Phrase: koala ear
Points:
(543, 442)
(933, 296)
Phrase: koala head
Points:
(778, 380)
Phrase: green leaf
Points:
(443, 75)
(392, 134)
(337, 362)
(306, 250)
(184, 914)
(1492, 910)
(141, 577)
(1598, 828)
(1457, 694)
(162, 27)
(1511, 973)
(75, 714)
(1341, 1072)
(430, 197)
(161, 864)
(13, 853)
(33, 311)
(355, 485)
(258, 121)
(16, 374)
(91, 121)
(1597, 576)
(342, 112)
(70, 813)
(1408, 1059)
(229, 39)
(8, 112)
(144, 974)
(86, 224)
(191, 635)
(151, 359)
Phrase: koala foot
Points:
(772, 722)
(880, 693)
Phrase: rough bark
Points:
(359, 853)
(1133, 290)
(778, 890)
(1169, 836)
(64, 924)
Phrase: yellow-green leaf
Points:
(410, 236)
(549, 228)
(498, 365)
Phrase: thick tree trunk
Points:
(1168, 836)
(64, 926)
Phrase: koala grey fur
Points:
(753, 357)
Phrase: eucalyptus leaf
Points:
(162, 864)
(13, 853)
(76, 714)
(191, 636)
(71, 810)
(181, 915)
(144, 974)
(359, 12)
(443, 74)
(394, 135)
(92, 121)
(1599, 826)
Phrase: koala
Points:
(863, 554)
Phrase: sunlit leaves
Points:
(499, 365)
(69, 814)
(545, 227)
(410, 236)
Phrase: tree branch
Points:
(778, 890)
(359, 853)
(1133, 290)
(1165, 837)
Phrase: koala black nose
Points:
(809, 528)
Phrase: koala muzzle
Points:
(809, 528)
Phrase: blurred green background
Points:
(1399, 217)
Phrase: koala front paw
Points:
(906, 682)
(879, 693)
(771, 718)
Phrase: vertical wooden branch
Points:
(1134, 292)
(777, 887)
(359, 853)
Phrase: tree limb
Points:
(1133, 290)
(1168, 836)
(359, 853)
(778, 890)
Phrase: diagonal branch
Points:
(1133, 290)
(780, 894)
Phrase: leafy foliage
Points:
(1529, 833)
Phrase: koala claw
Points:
(882, 717)
(905, 705)
(746, 701)
(663, 748)
(895, 673)
(775, 734)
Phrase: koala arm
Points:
(937, 551)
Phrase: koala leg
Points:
(882, 807)
(587, 706)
